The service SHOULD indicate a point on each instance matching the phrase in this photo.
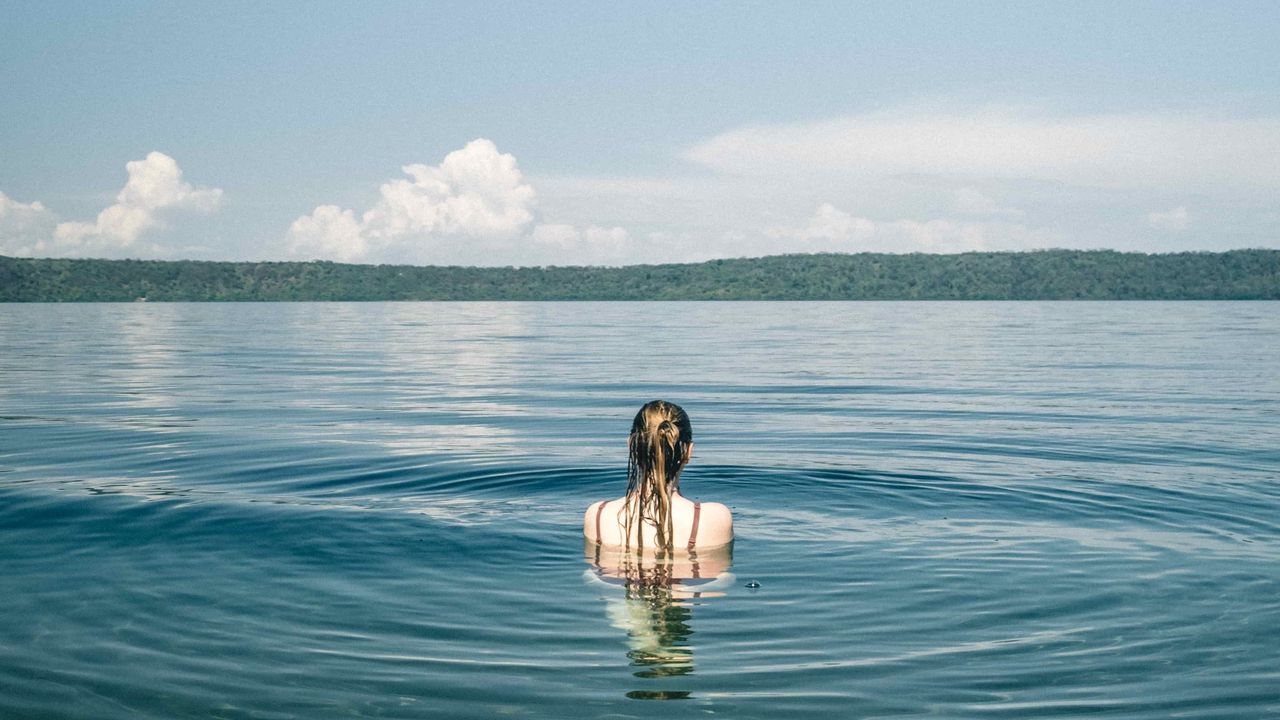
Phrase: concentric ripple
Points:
(981, 510)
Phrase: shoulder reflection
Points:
(651, 597)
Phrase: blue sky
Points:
(594, 133)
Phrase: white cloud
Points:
(566, 245)
(556, 236)
(475, 194)
(1089, 150)
(833, 230)
(829, 226)
(474, 208)
(155, 184)
(155, 187)
(328, 232)
(1176, 219)
(23, 226)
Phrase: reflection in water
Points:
(652, 598)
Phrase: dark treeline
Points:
(1038, 275)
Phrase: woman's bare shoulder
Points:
(589, 517)
(593, 507)
(718, 523)
(715, 510)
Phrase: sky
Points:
(593, 133)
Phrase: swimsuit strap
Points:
(693, 531)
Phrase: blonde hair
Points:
(658, 448)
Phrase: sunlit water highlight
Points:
(968, 510)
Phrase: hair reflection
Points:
(651, 597)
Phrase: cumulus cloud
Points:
(1090, 150)
(23, 226)
(329, 232)
(1176, 219)
(155, 187)
(475, 196)
(833, 230)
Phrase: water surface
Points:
(960, 510)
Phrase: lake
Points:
(944, 510)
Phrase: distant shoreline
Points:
(1032, 275)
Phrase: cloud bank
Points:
(907, 180)
(938, 179)
(593, 246)
(1146, 151)
(154, 188)
(833, 230)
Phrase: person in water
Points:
(653, 516)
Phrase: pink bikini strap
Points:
(693, 531)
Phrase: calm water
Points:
(978, 510)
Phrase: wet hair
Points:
(658, 448)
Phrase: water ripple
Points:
(352, 510)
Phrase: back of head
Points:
(658, 446)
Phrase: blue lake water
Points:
(952, 510)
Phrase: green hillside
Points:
(1039, 275)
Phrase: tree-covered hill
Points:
(1038, 275)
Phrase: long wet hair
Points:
(658, 448)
